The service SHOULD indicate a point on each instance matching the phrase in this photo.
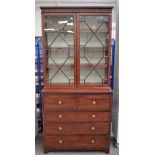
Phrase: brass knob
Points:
(92, 141)
(60, 128)
(60, 102)
(60, 116)
(60, 141)
(93, 128)
(94, 102)
(93, 116)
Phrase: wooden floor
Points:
(39, 149)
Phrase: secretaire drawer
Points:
(77, 128)
(94, 102)
(60, 102)
(76, 116)
(75, 142)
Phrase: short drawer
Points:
(77, 128)
(77, 142)
(84, 116)
(94, 102)
(59, 102)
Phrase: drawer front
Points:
(78, 128)
(76, 116)
(77, 142)
(94, 102)
(60, 102)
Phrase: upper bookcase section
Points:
(76, 46)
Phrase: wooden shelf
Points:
(100, 65)
(72, 47)
(81, 30)
(58, 48)
(58, 31)
(100, 31)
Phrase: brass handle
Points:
(93, 128)
(60, 141)
(60, 102)
(92, 141)
(93, 116)
(94, 102)
(60, 116)
(60, 128)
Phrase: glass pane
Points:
(93, 49)
(59, 44)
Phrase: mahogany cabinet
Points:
(76, 64)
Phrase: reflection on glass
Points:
(93, 49)
(59, 42)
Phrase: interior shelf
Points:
(99, 65)
(47, 49)
(72, 32)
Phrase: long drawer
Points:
(77, 142)
(94, 102)
(77, 116)
(60, 102)
(77, 128)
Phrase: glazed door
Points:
(76, 49)
(94, 44)
(59, 49)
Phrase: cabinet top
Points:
(77, 91)
(62, 7)
(75, 9)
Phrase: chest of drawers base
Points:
(76, 122)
